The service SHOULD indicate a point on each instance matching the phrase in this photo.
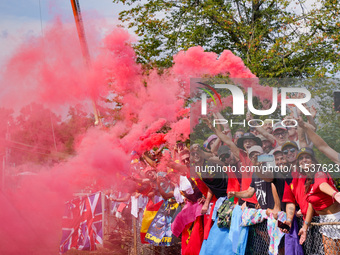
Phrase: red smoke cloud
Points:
(51, 71)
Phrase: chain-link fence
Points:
(315, 244)
(320, 237)
(258, 239)
(122, 235)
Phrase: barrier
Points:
(315, 244)
(258, 239)
(257, 244)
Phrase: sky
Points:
(21, 19)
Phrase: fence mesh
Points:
(315, 244)
(120, 231)
(258, 239)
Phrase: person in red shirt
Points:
(294, 193)
(240, 151)
(323, 197)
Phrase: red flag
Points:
(192, 237)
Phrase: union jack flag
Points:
(82, 224)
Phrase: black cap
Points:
(306, 150)
(223, 150)
(248, 136)
(291, 143)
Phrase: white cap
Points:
(255, 148)
(278, 126)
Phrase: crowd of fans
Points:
(230, 167)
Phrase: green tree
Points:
(32, 136)
(77, 123)
(278, 38)
(38, 135)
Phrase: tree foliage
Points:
(38, 135)
(278, 38)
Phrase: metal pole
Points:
(5, 158)
(3, 173)
(55, 143)
(103, 214)
(85, 50)
(134, 235)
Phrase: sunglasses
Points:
(292, 150)
(280, 134)
(224, 157)
(185, 159)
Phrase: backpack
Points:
(224, 214)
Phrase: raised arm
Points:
(196, 148)
(178, 167)
(319, 142)
(261, 130)
(224, 138)
(302, 137)
(215, 145)
(226, 128)
(149, 160)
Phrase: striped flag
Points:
(159, 232)
(149, 214)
